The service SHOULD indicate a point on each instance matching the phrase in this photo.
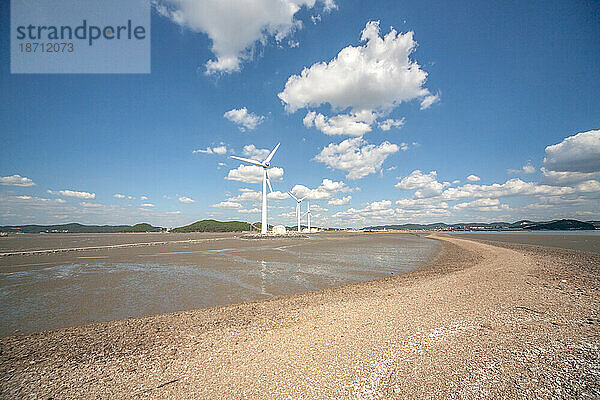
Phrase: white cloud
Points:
(236, 28)
(485, 204)
(426, 185)
(429, 100)
(277, 195)
(254, 210)
(143, 198)
(325, 190)
(589, 186)
(147, 205)
(88, 204)
(375, 211)
(227, 204)
(244, 119)
(186, 200)
(421, 204)
(247, 195)
(251, 151)
(317, 208)
(578, 153)
(16, 180)
(340, 202)
(354, 124)
(119, 196)
(310, 194)
(253, 174)
(512, 187)
(356, 156)
(566, 178)
(390, 123)
(212, 150)
(473, 178)
(72, 193)
(525, 169)
(378, 75)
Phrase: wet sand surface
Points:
(61, 289)
(571, 240)
(25, 242)
(481, 321)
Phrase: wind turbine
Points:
(307, 213)
(297, 207)
(266, 163)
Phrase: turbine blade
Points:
(268, 159)
(248, 161)
(302, 199)
(294, 197)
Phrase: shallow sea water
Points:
(60, 290)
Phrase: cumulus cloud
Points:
(325, 190)
(391, 123)
(235, 28)
(374, 211)
(185, 200)
(340, 202)
(525, 169)
(143, 198)
(212, 150)
(429, 100)
(512, 187)
(426, 185)
(244, 119)
(356, 156)
(119, 196)
(353, 124)
(72, 193)
(227, 205)
(567, 178)
(485, 204)
(254, 210)
(578, 153)
(251, 151)
(302, 191)
(378, 75)
(147, 205)
(16, 180)
(253, 174)
(473, 178)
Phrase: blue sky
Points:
(506, 94)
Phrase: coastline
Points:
(479, 320)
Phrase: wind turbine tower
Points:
(266, 163)
(297, 207)
(308, 213)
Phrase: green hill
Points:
(561, 225)
(210, 225)
(144, 228)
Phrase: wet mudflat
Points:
(182, 272)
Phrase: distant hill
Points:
(210, 225)
(493, 226)
(561, 225)
(144, 228)
(79, 228)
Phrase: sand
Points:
(480, 321)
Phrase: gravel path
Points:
(481, 321)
